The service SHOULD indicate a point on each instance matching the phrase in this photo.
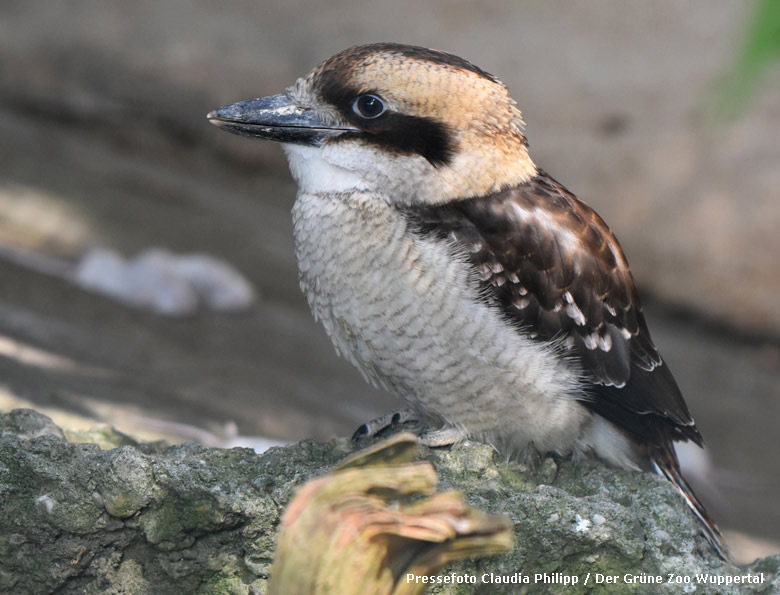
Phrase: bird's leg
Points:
(388, 421)
(444, 436)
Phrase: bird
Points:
(451, 270)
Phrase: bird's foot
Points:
(444, 436)
(387, 422)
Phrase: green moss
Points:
(105, 437)
(174, 520)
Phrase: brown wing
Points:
(557, 271)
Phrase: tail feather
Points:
(664, 463)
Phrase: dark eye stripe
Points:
(410, 135)
(393, 131)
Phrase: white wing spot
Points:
(521, 303)
(483, 272)
(591, 341)
(575, 313)
(605, 342)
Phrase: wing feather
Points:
(556, 270)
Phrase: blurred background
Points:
(654, 113)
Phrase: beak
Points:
(275, 118)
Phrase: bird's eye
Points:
(368, 106)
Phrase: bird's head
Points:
(416, 125)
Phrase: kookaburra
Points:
(452, 271)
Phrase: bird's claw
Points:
(384, 423)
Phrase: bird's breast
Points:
(381, 292)
(405, 310)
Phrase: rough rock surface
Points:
(188, 519)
